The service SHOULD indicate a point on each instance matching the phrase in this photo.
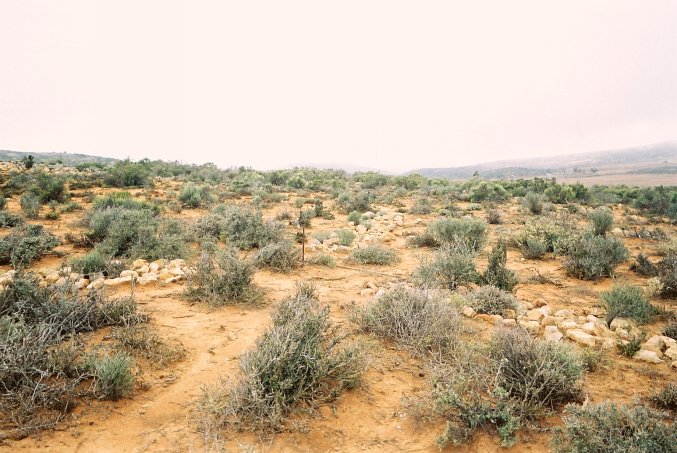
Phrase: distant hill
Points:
(652, 159)
(68, 159)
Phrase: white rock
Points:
(567, 324)
(647, 356)
(139, 263)
(588, 327)
(622, 323)
(367, 292)
(535, 315)
(671, 352)
(128, 273)
(97, 284)
(468, 312)
(552, 333)
(581, 337)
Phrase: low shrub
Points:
(374, 254)
(627, 301)
(140, 340)
(355, 217)
(469, 233)
(667, 274)
(41, 358)
(643, 266)
(601, 221)
(280, 256)
(222, 279)
(323, 259)
(594, 257)
(414, 318)
(449, 268)
(9, 220)
(346, 237)
(355, 201)
(606, 427)
(135, 233)
(666, 398)
(494, 216)
(95, 262)
(533, 202)
(193, 196)
(114, 378)
(241, 227)
(298, 360)
(421, 205)
(534, 248)
(670, 330)
(30, 205)
(25, 244)
(497, 274)
(491, 300)
(515, 379)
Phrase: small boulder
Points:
(552, 333)
(581, 337)
(647, 356)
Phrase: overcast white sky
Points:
(389, 84)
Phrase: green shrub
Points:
(594, 257)
(323, 259)
(30, 205)
(470, 233)
(667, 274)
(556, 236)
(222, 279)
(491, 300)
(670, 330)
(239, 226)
(513, 380)
(534, 248)
(23, 245)
(114, 378)
(131, 233)
(346, 237)
(127, 174)
(193, 196)
(632, 346)
(605, 427)
(627, 301)
(299, 360)
(9, 220)
(601, 221)
(421, 205)
(494, 216)
(449, 268)
(43, 370)
(497, 274)
(414, 318)
(666, 398)
(355, 217)
(533, 202)
(94, 262)
(280, 256)
(374, 254)
(51, 188)
(3, 203)
(123, 199)
(537, 373)
(643, 266)
(355, 201)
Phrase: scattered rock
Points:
(581, 337)
(468, 312)
(647, 356)
(552, 333)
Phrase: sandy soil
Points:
(160, 415)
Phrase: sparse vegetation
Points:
(449, 268)
(296, 361)
(594, 257)
(627, 301)
(491, 300)
(415, 318)
(606, 427)
(223, 278)
(374, 254)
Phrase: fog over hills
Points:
(655, 158)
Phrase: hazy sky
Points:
(390, 84)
